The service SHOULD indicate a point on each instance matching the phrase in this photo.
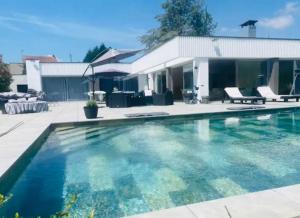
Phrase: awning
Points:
(114, 56)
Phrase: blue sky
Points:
(60, 27)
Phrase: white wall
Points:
(150, 81)
(18, 80)
(183, 49)
(162, 54)
(142, 82)
(201, 77)
(63, 69)
(34, 75)
(222, 47)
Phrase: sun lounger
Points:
(266, 91)
(234, 95)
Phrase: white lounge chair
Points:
(234, 94)
(266, 91)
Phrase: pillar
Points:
(142, 82)
(201, 77)
(169, 79)
(150, 81)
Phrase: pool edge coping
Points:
(11, 176)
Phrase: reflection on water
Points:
(130, 169)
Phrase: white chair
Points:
(266, 91)
(148, 93)
(234, 94)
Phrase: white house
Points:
(210, 63)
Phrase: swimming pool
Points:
(129, 168)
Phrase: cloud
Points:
(290, 7)
(284, 18)
(280, 22)
(75, 30)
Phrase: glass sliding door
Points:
(64, 88)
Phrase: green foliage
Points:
(4, 199)
(66, 212)
(91, 104)
(180, 18)
(5, 78)
(93, 53)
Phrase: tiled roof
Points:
(44, 59)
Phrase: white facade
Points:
(199, 51)
(183, 49)
(191, 53)
(18, 80)
(62, 69)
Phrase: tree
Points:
(180, 18)
(5, 78)
(93, 53)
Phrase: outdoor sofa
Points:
(266, 91)
(234, 94)
(125, 99)
(23, 105)
(163, 99)
(133, 99)
(18, 102)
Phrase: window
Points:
(22, 88)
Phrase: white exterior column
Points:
(142, 82)
(34, 78)
(201, 77)
(150, 81)
(169, 79)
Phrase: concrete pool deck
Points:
(26, 129)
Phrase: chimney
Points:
(250, 25)
(1, 58)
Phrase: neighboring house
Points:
(18, 72)
(43, 59)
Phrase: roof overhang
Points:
(114, 56)
(180, 61)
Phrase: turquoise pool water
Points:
(126, 169)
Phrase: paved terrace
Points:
(26, 128)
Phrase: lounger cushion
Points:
(233, 92)
(33, 99)
(267, 92)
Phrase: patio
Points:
(21, 131)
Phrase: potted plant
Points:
(91, 109)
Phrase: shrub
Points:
(5, 78)
(91, 104)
